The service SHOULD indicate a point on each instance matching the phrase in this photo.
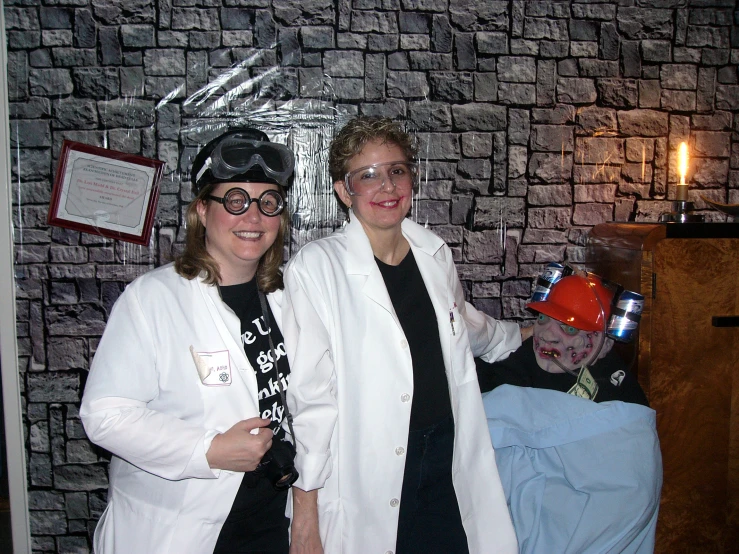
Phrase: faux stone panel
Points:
(549, 29)
(576, 91)
(549, 218)
(490, 15)
(480, 247)
(452, 87)
(490, 210)
(549, 195)
(343, 63)
(116, 12)
(492, 43)
(550, 168)
(430, 116)
(517, 94)
(597, 150)
(618, 93)
(712, 144)
(481, 117)
(403, 84)
(439, 146)
(679, 76)
(647, 123)
(517, 69)
(552, 138)
(593, 120)
(550, 116)
(645, 23)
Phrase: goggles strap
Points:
(206, 166)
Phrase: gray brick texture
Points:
(536, 120)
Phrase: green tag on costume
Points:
(585, 387)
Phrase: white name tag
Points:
(214, 368)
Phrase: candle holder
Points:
(682, 212)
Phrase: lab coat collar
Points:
(359, 256)
(360, 259)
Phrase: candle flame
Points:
(682, 159)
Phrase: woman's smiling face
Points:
(238, 242)
(386, 208)
(570, 346)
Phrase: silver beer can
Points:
(552, 273)
(625, 316)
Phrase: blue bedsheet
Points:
(579, 477)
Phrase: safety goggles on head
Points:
(370, 179)
(237, 201)
(237, 155)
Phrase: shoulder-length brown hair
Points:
(195, 261)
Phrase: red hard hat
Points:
(572, 300)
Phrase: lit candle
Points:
(682, 166)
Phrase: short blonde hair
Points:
(352, 138)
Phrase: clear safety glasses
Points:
(236, 155)
(237, 201)
(369, 180)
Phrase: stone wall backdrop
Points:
(538, 121)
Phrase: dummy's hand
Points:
(238, 449)
(304, 535)
(527, 332)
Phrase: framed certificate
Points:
(104, 192)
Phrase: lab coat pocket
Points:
(461, 363)
(131, 525)
(214, 368)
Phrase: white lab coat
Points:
(352, 385)
(144, 402)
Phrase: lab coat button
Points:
(404, 343)
(394, 502)
(405, 397)
(389, 552)
(400, 451)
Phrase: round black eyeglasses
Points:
(237, 201)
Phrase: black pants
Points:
(429, 520)
(257, 524)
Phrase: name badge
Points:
(214, 368)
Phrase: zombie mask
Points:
(571, 347)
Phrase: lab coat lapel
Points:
(360, 260)
(229, 328)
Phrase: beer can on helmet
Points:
(625, 316)
(552, 273)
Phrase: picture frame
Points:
(105, 192)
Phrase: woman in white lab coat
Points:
(392, 445)
(183, 390)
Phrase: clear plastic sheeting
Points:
(246, 93)
(236, 99)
